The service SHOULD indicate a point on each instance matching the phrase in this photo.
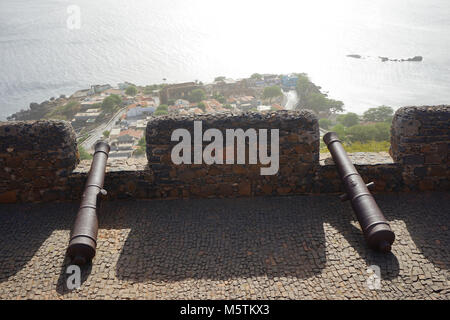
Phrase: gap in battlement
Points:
(115, 165)
(360, 158)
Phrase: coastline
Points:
(38, 111)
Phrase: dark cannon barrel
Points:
(376, 229)
(83, 240)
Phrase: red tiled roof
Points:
(277, 106)
(198, 111)
(133, 133)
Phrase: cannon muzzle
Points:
(376, 229)
(83, 240)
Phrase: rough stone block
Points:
(36, 154)
(298, 145)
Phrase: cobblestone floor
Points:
(303, 247)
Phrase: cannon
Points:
(83, 239)
(376, 229)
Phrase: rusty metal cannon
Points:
(83, 239)
(376, 229)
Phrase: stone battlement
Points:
(38, 159)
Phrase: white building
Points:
(264, 108)
(114, 133)
(141, 124)
(83, 116)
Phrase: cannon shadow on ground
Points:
(219, 239)
(426, 216)
(345, 222)
(281, 236)
(23, 230)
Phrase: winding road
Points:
(97, 133)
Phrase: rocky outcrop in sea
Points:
(37, 111)
(384, 59)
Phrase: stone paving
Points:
(361, 158)
(113, 165)
(302, 247)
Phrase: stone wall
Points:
(36, 159)
(420, 143)
(133, 179)
(298, 156)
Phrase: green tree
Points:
(160, 112)
(377, 132)
(84, 155)
(71, 108)
(142, 143)
(163, 107)
(201, 106)
(325, 123)
(197, 95)
(334, 106)
(340, 130)
(305, 88)
(256, 76)
(149, 89)
(65, 112)
(379, 114)
(383, 131)
(131, 91)
(361, 133)
(106, 133)
(312, 98)
(315, 101)
(349, 119)
(218, 79)
(220, 98)
(138, 152)
(110, 103)
(272, 92)
(318, 102)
